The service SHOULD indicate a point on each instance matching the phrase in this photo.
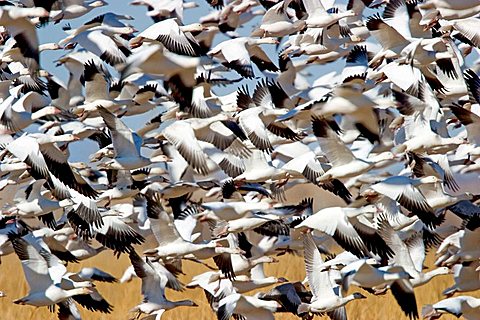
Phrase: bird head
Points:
(358, 295)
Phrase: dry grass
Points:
(126, 296)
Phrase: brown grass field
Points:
(125, 296)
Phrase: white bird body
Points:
(43, 280)
(465, 306)
(75, 9)
(234, 210)
(248, 306)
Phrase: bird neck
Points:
(354, 212)
(436, 272)
(393, 276)
(268, 280)
(43, 112)
(474, 303)
(75, 292)
(186, 303)
(348, 298)
(62, 138)
(269, 305)
(262, 259)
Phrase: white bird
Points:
(277, 23)
(318, 17)
(238, 54)
(153, 288)
(405, 191)
(246, 306)
(344, 163)
(460, 306)
(41, 278)
(22, 30)
(176, 38)
(101, 42)
(72, 9)
(127, 144)
(325, 296)
(405, 256)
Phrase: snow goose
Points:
(142, 104)
(176, 38)
(127, 144)
(325, 298)
(403, 256)
(110, 19)
(348, 99)
(47, 161)
(344, 163)
(41, 279)
(243, 284)
(74, 62)
(211, 282)
(310, 168)
(95, 78)
(405, 191)
(466, 278)
(15, 19)
(277, 23)
(467, 28)
(101, 42)
(422, 57)
(356, 64)
(160, 10)
(232, 16)
(454, 5)
(238, 54)
(93, 301)
(395, 38)
(437, 198)
(420, 134)
(316, 41)
(162, 271)
(433, 10)
(178, 70)
(318, 17)
(246, 306)
(424, 166)
(183, 136)
(470, 120)
(93, 274)
(461, 306)
(18, 114)
(391, 40)
(113, 233)
(72, 9)
(345, 226)
(258, 169)
(81, 250)
(289, 295)
(34, 204)
(459, 247)
(153, 288)
(232, 210)
(170, 243)
(244, 263)
(259, 113)
(58, 93)
(14, 50)
(363, 274)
